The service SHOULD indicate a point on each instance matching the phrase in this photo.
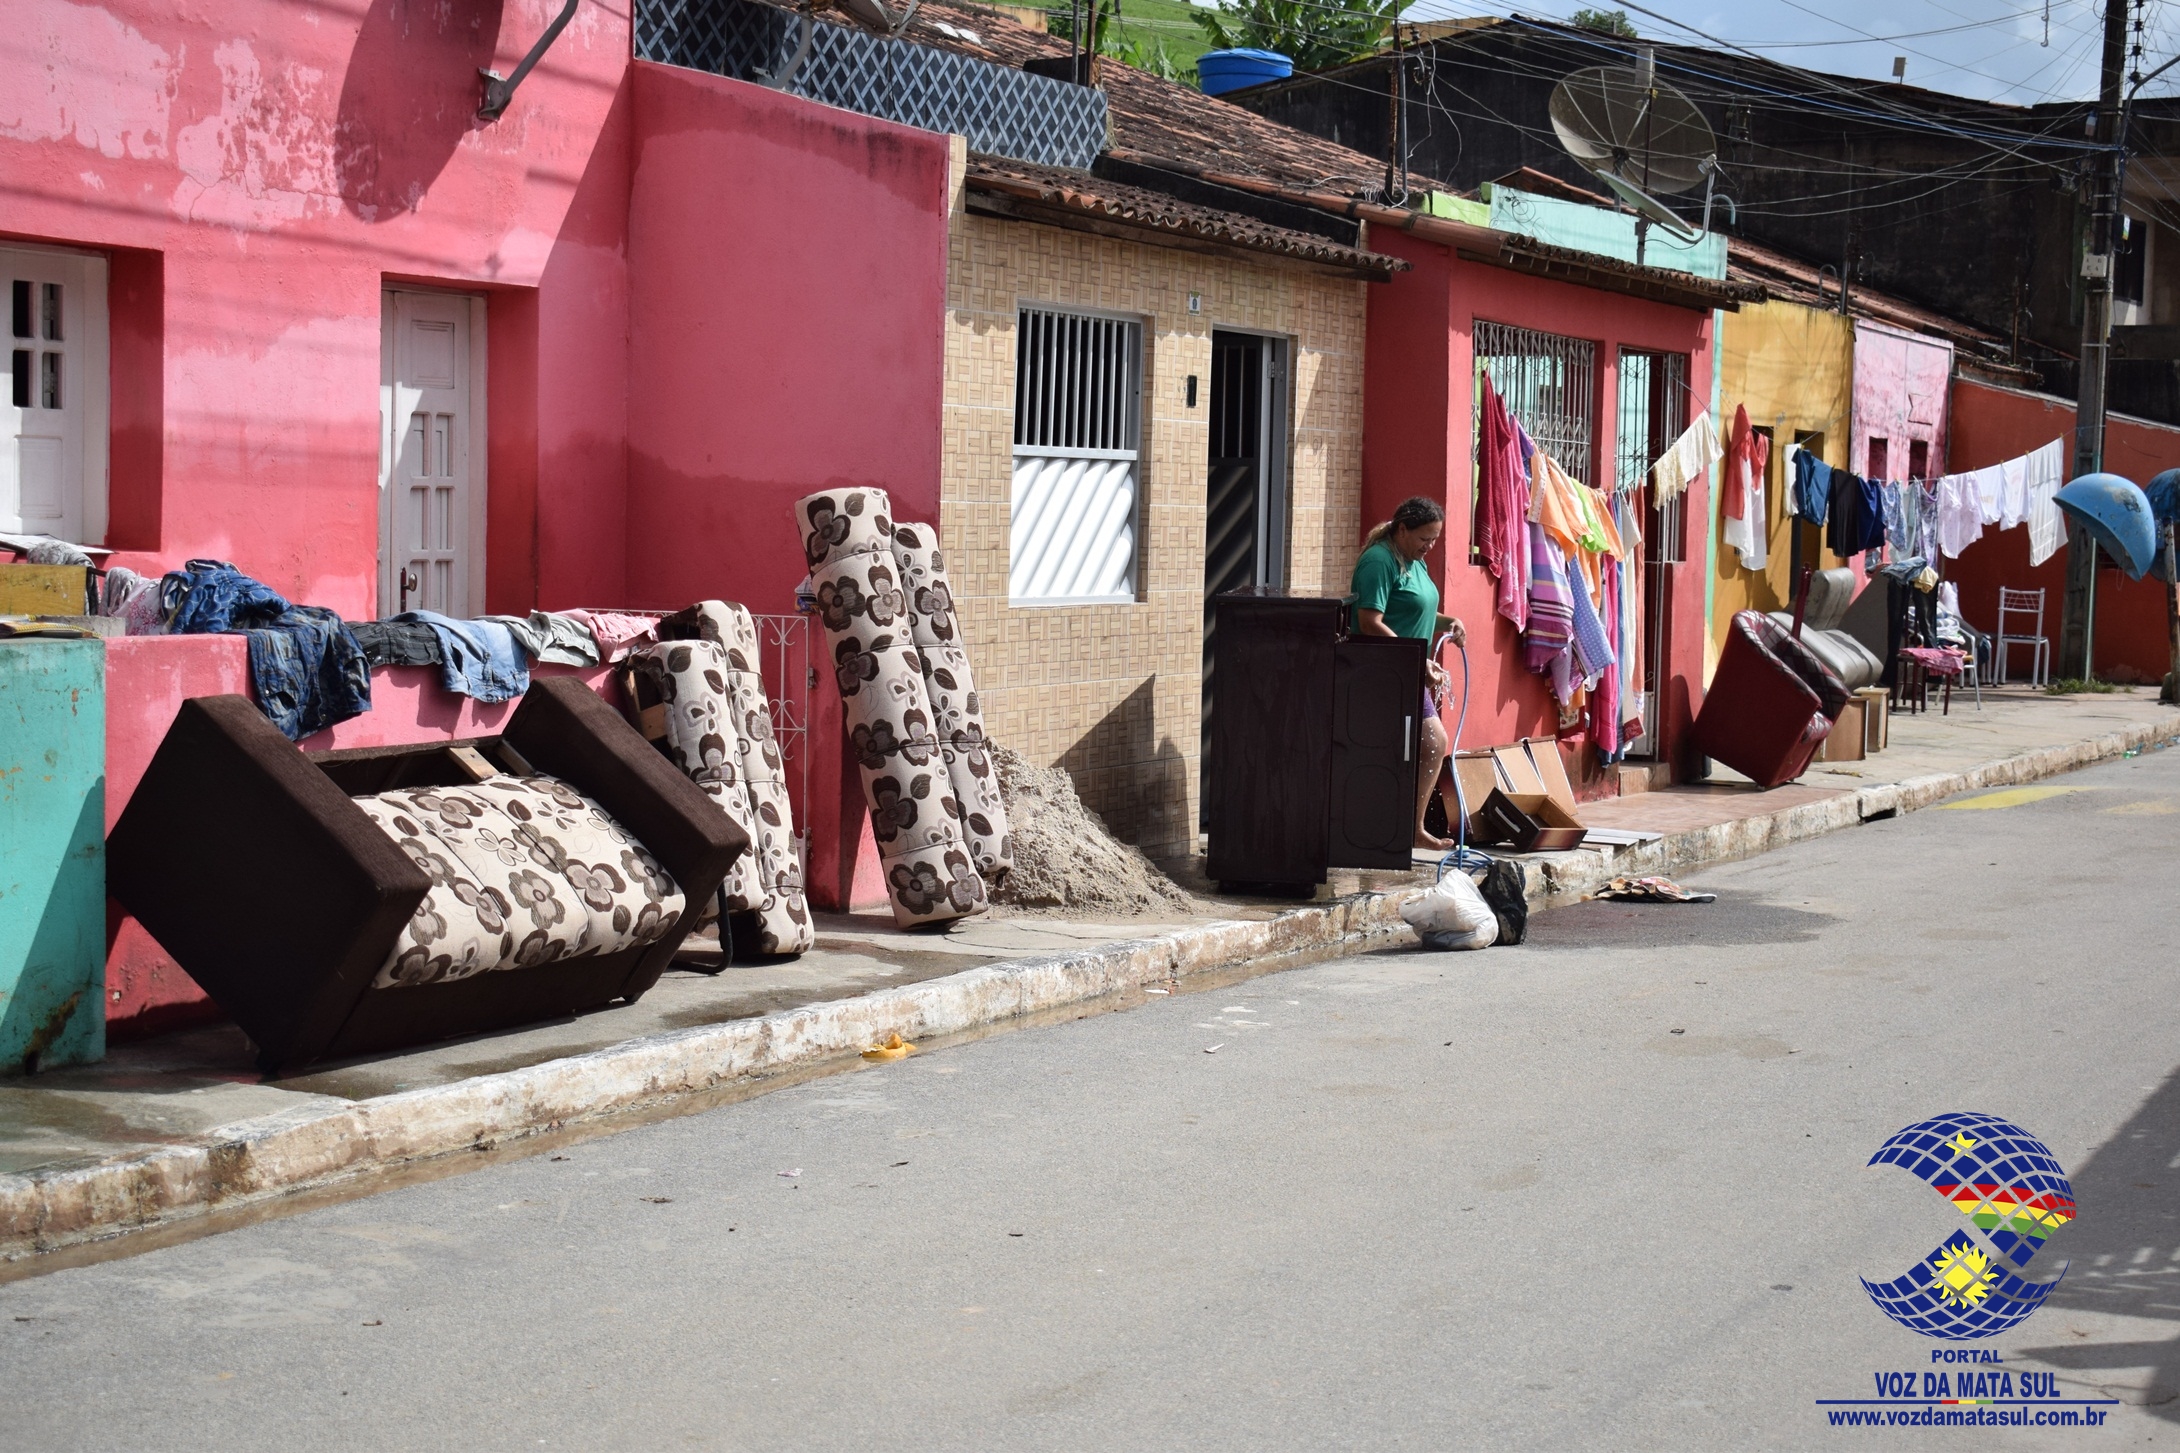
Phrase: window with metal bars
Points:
(1548, 382)
(1651, 414)
(1078, 386)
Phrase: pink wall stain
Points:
(1900, 396)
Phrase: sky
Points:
(1996, 50)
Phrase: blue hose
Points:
(1464, 857)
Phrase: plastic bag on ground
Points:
(1452, 914)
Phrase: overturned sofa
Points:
(346, 903)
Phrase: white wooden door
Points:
(53, 401)
(431, 454)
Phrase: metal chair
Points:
(1954, 630)
(2027, 604)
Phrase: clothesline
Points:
(1909, 519)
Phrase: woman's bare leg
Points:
(1431, 749)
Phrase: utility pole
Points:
(2078, 605)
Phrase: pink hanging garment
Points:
(1502, 536)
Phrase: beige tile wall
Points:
(1111, 692)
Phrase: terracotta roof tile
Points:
(1063, 196)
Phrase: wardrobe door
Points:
(1377, 704)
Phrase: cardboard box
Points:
(1877, 728)
(1845, 742)
(1531, 822)
(1529, 771)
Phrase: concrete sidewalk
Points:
(180, 1127)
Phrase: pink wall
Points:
(1418, 403)
(1900, 393)
(1992, 424)
(786, 321)
(259, 170)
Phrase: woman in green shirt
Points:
(1394, 596)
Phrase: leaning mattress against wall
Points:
(956, 715)
(929, 872)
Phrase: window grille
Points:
(1548, 383)
(1078, 385)
(1652, 413)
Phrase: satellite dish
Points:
(1637, 135)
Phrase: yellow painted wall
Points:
(1793, 369)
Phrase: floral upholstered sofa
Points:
(367, 900)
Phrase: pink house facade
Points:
(630, 321)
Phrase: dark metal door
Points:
(1245, 498)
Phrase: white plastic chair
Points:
(2029, 605)
(1954, 630)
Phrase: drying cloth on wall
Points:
(551, 636)
(209, 597)
(399, 643)
(1742, 505)
(616, 632)
(1687, 459)
(481, 658)
(2044, 472)
(1502, 508)
(869, 633)
(134, 598)
(307, 669)
(957, 715)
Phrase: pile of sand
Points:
(1064, 857)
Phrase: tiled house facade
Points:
(1112, 692)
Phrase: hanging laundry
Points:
(1605, 705)
(1687, 459)
(1960, 514)
(1502, 514)
(1747, 519)
(1990, 493)
(1857, 516)
(1551, 604)
(1812, 486)
(1630, 642)
(2045, 471)
(2013, 493)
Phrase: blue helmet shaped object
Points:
(2116, 513)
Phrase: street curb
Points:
(313, 1146)
(308, 1147)
(1560, 878)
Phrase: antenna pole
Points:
(2080, 599)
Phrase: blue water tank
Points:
(1220, 71)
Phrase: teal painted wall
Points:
(52, 854)
(1607, 233)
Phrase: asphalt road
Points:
(1606, 1190)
